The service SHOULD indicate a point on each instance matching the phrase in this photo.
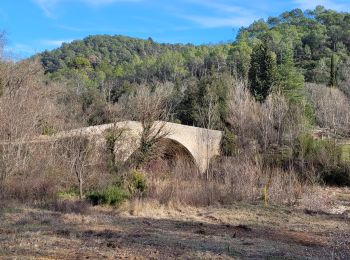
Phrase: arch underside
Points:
(174, 153)
(169, 155)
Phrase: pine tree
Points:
(289, 80)
(333, 74)
(262, 72)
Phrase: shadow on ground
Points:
(29, 232)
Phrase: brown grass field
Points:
(146, 230)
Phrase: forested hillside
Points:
(312, 36)
(135, 60)
(297, 47)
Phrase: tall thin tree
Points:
(333, 72)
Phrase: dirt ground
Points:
(144, 230)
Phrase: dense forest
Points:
(289, 50)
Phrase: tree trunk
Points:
(80, 186)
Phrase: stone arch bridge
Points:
(199, 144)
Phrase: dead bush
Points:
(30, 190)
(315, 200)
(286, 187)
(260, 126)
(240, 175)
(332, 107)
(230, 180)
(70, 206)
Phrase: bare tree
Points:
(272, 119)
(332, 107)
(243, 115)
(208, 118)
(76, 151)
(152, 108)
(265, 123)
(26, 107)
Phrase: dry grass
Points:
(146, 229)
(230, 180)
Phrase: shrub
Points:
(231, 179)
(318, 152)
(228, 143)
(111, 138)
(69, 206)
(32, 190)
(339, 176)
(332, 108)
(48, 129)
(137, 183)
(325, 157)
(68, 194)
(345, 153)
(113, 195)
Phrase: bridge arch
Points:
(175, 153)
(198, 144)
(169, 151)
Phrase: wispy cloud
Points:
(106, 2)
(220, 6)
(48, 6)
(221, 14)
(214, 22)
(311, 4)
(54, 43)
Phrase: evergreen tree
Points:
(333, 74)
(262, 71)
(289, 80)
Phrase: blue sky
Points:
(35, 25)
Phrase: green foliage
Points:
(132, 184)
(326, 157)
(204, 102)
(262, 72)
(80, 63)
(112, 137)
(94, 107)
(134, 60)
(345, 153)
(137, 182)
(309, 113)
(113, 195)
(69, 194)
(47, 129)
(312, 35)
(228, 143)
(289, 80)
(239, 58)
(311, 149)
(333, 73)
(279, 53)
